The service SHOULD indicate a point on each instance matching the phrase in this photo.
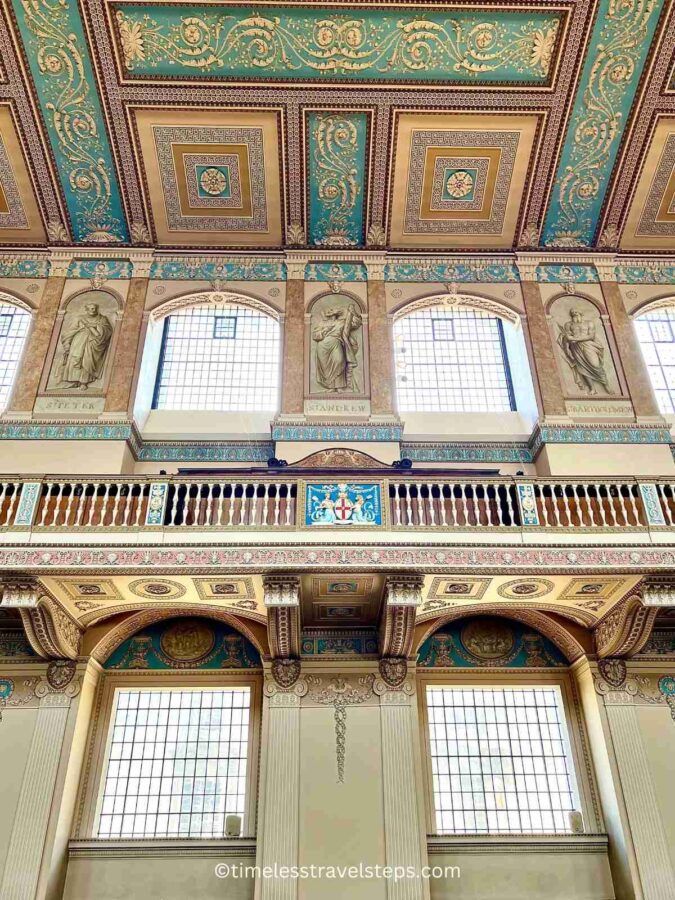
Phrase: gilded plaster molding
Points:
(626, 629)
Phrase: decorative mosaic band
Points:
(467, 452)
(421, 270)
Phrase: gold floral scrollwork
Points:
(72, 116)
(597, 122)
(340, 694)
(335, 149)
(338, 44)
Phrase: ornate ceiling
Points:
(416, 126)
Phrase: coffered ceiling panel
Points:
(458, 179)
(413, 43)
(651, 220)
(424, 125)
(212, 176)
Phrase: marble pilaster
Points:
(542, 358)
(381, 348)
(30, 370)
(293, 371)
(119, 395)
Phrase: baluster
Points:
(289, 503)
(13, 497)
(46, 506)
(255, 503)
(465, 504)
(498, 505)
(60, 487)
(420, 505)
(566, 504)
(265, 503)
(608, 506)
(127, 505)
(81, 503)
(622, 505)
(233, 491)
(69, 504)
(397, 504)
(589, 504)
(432, 512)
(665, 502)
(277, 502)
(476, 507)
(554, 504)
(441, 504)
(220, 504)
(545, 511)
(116, 503)
(633, 504)
(173, 511)
(601, 505)
(242, 511)
(509, 504)
(408, 504)
(453, 505)
(104, 504)
(210, 488)
(139, 506)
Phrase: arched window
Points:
(219, 357)
(656, 333)
(451, 360)
(14, 324)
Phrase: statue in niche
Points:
(337, 346)
(583, 352)
(83, 347)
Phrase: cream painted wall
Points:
(602, 460)
(16, 732)
(180, 877)
(65, 458)
(493, 875)
(341, 824)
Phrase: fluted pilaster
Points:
(27, 841)
(656, 871)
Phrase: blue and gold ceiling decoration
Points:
(365, 44)
(423, 126)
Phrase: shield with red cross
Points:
(343, 508)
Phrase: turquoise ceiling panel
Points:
(622, 35)
(300, 42)
(58, 56)
(337, 174)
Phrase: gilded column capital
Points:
(281, 590)
(375, 266)
(59, 262)
(527, 266)
(605, 266)
(141, 263)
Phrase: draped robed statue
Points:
(584, 353)
(336, 349)
(85, 341)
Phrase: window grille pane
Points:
(176, 764)
(14, 324)
(500, 760)
(451, 361)
(219, 358)
(656, 333)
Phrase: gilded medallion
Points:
(487, 638)
(188, 640)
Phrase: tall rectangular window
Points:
(176, 763)
(451, 360)
(500, 760)
(656, 333)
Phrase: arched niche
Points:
(188, 642)
(560, 636)
(585, 349)
(107, 642)
(154, 325)
(336, 347)
(525, 414)
(82, 350)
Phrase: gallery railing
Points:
(53, 504)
